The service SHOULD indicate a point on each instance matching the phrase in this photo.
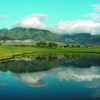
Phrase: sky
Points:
(59, 16)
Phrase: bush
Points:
(41, 44)
(45, 44)
(52, 45)
(4, 40)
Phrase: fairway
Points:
(10, 51)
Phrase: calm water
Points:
(51, 77)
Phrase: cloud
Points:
(3, 16)
(32, 21)
(77, 26)
(96, 7)
(94, 16)
(80, 26)
(62, 27)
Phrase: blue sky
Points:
(55, 9)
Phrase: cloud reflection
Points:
(62, 73)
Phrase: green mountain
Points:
(45, 35)
(30, 33)
(84, 38)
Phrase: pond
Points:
(50, 77)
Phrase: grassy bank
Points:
(10, 51)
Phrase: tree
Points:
(52, 45)
(67, 44)
(41, 44)
(4, 40)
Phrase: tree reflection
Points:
(43, 63)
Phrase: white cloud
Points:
(3, 16)
(77, 26)
(68, 27)
(80, 26)
(32, 21)
(94, 16)
(96, 7)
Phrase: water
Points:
(63, 77)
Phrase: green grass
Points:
(10, 51)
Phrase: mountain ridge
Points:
(84, 38)
(19, 33)
(30, 33)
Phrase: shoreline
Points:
(10, 52)
(43, 54)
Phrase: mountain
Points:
(84, 38)
(30, 33)
(45, 35)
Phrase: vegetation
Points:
(45, 35)
(11, 51)
(47, 44)
(30, 33)
(84, 38)
(4, 39)
(41, 44)
(52, 45)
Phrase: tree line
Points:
(47, 44)
(55, 44)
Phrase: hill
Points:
(30, 33)
(84, 38)
(45, 35)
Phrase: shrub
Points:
(41, 44)
(52, 45)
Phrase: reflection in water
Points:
(66, 73)
(3, 83)
(96, 94)
(81, 71)
(33, 79)
(42, 63)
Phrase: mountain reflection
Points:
(41, 63)
(32, 70)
